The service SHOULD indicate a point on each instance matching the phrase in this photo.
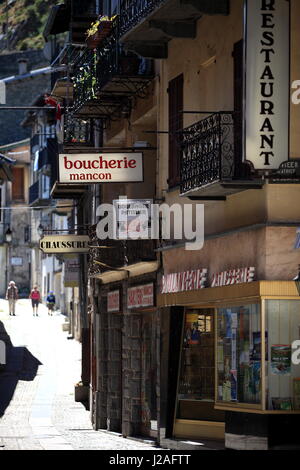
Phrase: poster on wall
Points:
(281, 359)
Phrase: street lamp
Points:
(297, 280)
(8, 235)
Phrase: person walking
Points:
(35, 297)
(50, 303)
(12, 296)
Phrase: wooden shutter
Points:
(175, 124)
(18, 184)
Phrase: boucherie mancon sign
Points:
(101, 168)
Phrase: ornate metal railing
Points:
(109, 254)
(95, 68)
(207, 151)
(134, 11)
(78, 131)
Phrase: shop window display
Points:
(196, 381)
(239, 354)
(282, 375)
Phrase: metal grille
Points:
(207, 151)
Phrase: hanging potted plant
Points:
(99, 30)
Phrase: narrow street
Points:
(42, 414)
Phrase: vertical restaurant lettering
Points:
(267, 80)
(267, 98)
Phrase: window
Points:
(45, 186)
(196, 380)
(239, 354)
(18, 184)
(175, 124)
(282, 372)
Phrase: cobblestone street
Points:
(43, 414)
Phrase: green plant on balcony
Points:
(99, 30)
(84, 82)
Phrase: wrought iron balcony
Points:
(211, 160)
(107, 255)
(146, 26)
(78, 132)
(107, 77)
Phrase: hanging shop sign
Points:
(113, 301)
(101, 168)
(71, 273)
(133, 218)
(233, 276)
(267, 52)
(64, 244)
(186, 280)
(140, 296)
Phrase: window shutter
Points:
(175, 124)
(18, 184)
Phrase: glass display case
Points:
(256, 360)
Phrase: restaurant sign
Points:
(233, 276)
(186, 280)
(140, 296)
(113, 301)
(267, 53)
(90, 168)
(64, 244)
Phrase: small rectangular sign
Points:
(72, 267)
(64, 244)
(113, 301)
(89, 168)
(140, 296)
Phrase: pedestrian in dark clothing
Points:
(50, 303)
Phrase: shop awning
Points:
(133, 270)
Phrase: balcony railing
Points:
(209, 157)
(110, 73)
(78, 132)
(132, 12)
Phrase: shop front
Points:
(126, 353)
(238, 370)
